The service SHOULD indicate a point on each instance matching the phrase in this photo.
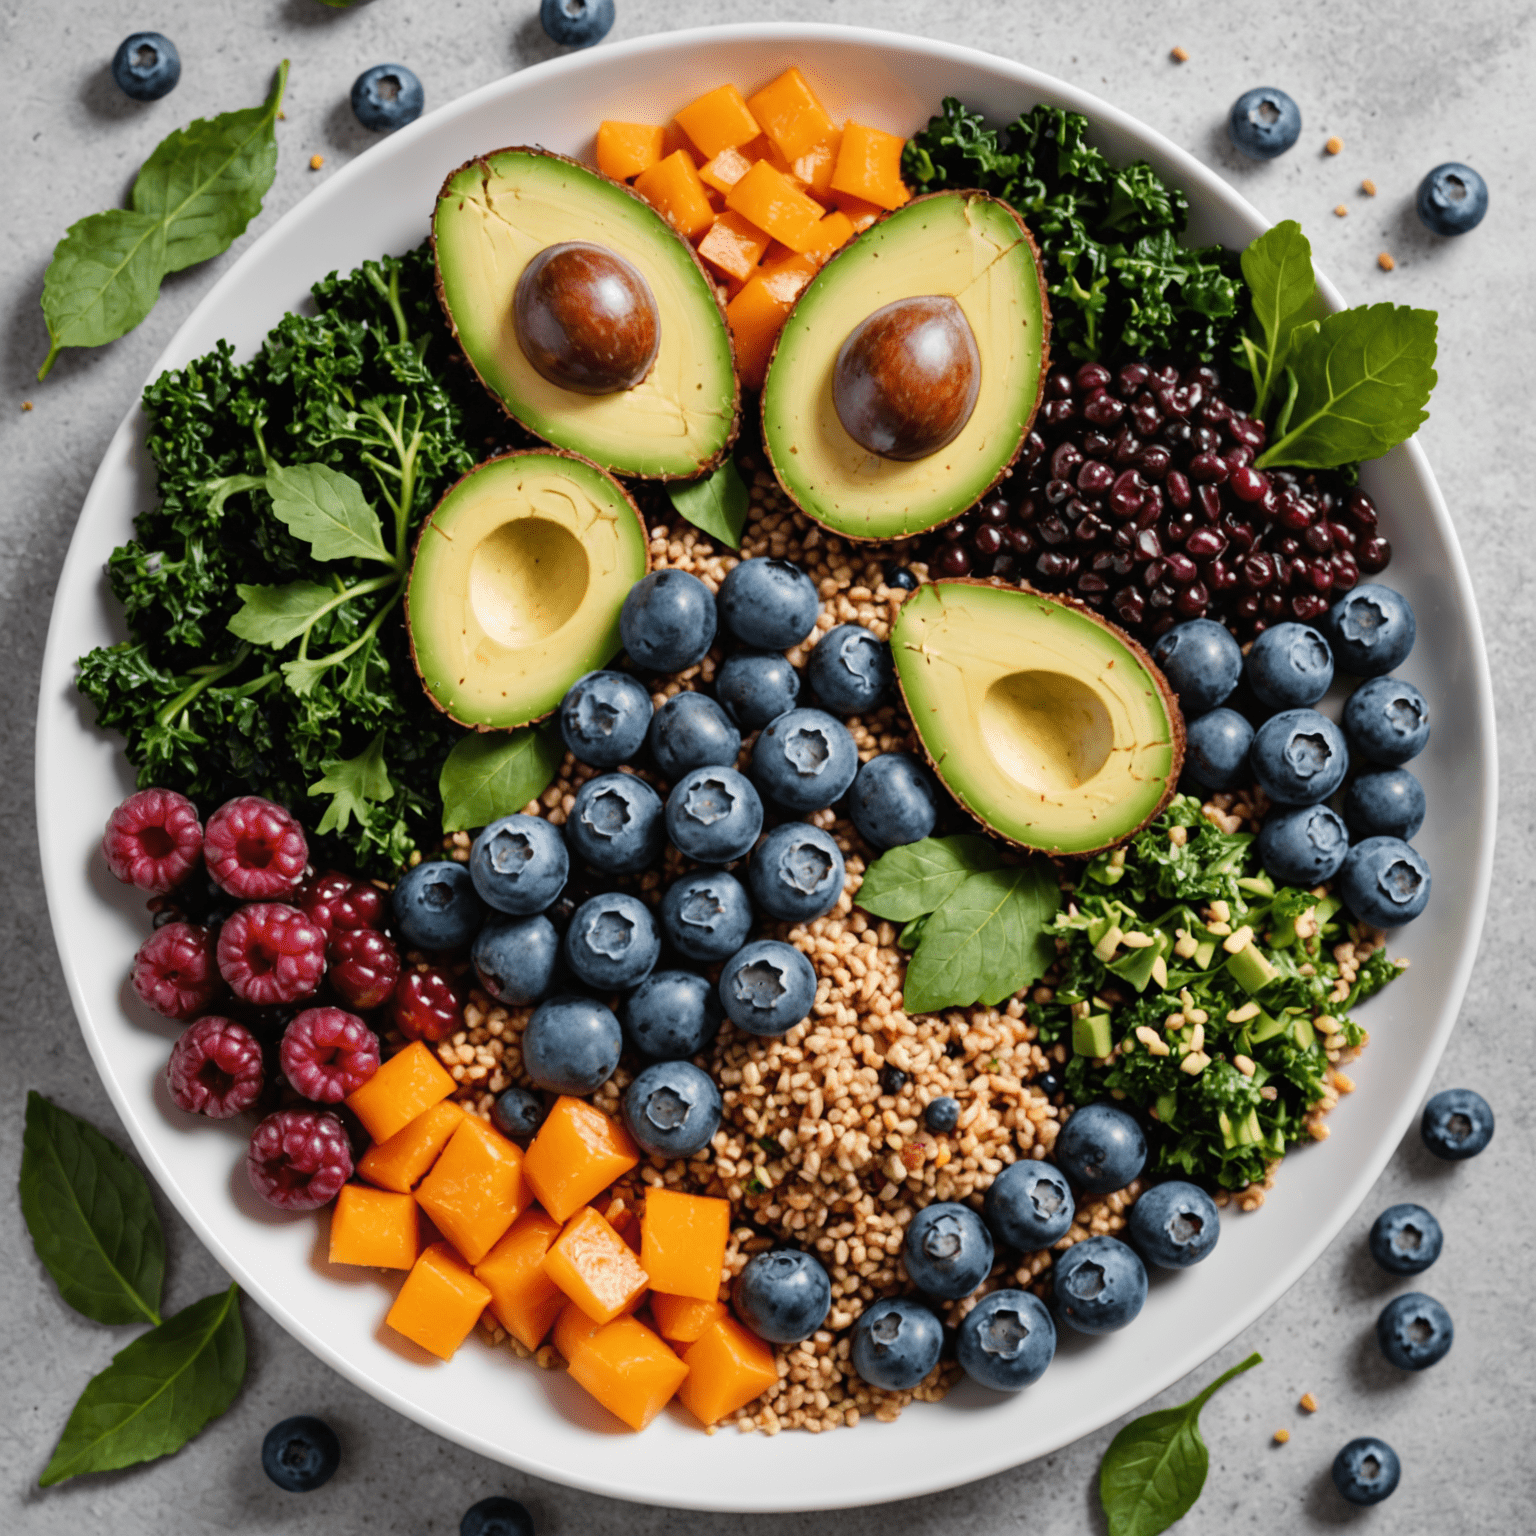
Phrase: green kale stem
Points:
(344, 595)
(368, 634)
(390, 293)
(406, 452)
(206, 677)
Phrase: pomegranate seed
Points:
(1091, 377)
(1309, 606)
(1177, 486)
(1125, 495)
(1247, 431)
(1346, 573)
(1131, 378)
(987, 540)
(1090, 529)
(1209, 467)
(994, 511)
(952, 560)
(175, 971)
(1103, 409)
(270, 953)
(1057, 491)
(1240, 457)
(1319, 538)
(1239, 535)
(957, 530)
(153, 840)
(1247, 606)
(1151, 507)
(1059, 385)
(1056, 566)
(1344, 537)
(1193, 601)
(1055, 413)
(1248, 484)
(1258, 571)
(1209, 498)
(1320, 574)
(1146, 417)
(1215, 411)
(215, 1069)
(1130, 606)
(1205, 544)
(1218, 575)
(1148, 545)
(1162, 595)
(1052, 529)
(1373, 555)
(1295, 515)
(364, 967)
(327, 1053)
(1126, 446)
(1019, 541)
(1092, 585)
(1094, 477)
(427, 1005)
(298, 1160)
(1034, 451)
(254, 849)
(1181, 569)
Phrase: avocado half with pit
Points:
(908, 373)
(585, 314)
(1051, 726)
(515, 591)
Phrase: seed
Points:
(1243, 1065)
(1243, 1014)
(1137, 940)
(1179, 55)
(1385, 262)
(1334, 145)
(1368, 187)
(1308, 1402)
(1340, 210)
(1282, 1436)
(316, 161)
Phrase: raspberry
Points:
(298, 1159)
(327, 1054)
(364, 968)
(174, 971)
(153, 840)
(270, 953)
(215, 1069)
(254, 849)
(339, 903)
(427, 1005)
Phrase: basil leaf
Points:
(158, 1392)
(718, 503)
(276, 615)
(1281, 284)
(352, 783)
(919, 877)
(328, 510)
(1156, 1466)
(91, 1217)
(491, 774)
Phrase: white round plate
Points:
(486, 1399)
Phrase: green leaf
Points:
(276, 615)
(328, 510)
(718, 503)
(353, 782)
(158, 1392)
(1156, 1466)
(491, 774)
(919, 877)
(91, 1217)
(1281, 285)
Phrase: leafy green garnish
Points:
(352, 783)
(327, 510)
(1281, 288)
(496, 774)
(718, 503)
(915, 879)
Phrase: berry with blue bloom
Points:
(496, 1516)
(692, 731)
(301, 1453)
(893, 800)
(519, 864)
(387, 97)
(1452, 199)
(1216, 749)
(948, 1250)
(796, 873)
(617, 824)
(1029, 1205)
(767, 987)
(571, 1045)
(518, 1114)
(1202, 663)
(1415, 1331)
(1174, 1225)
(672, 1109)
(756, 687)
(783, 1295)
(1384, 881)
(1366, 1471)
(436, 905)
(1101, 1149)
(942, 1114)
(1387, 803)
(576, 23)
(604, 717)
(1303, 845)
(1289, 665)
(1006, 1341)
(515, 958)
(1372, 629)
(671, 1015)
(612, 943)
(706, 916)
(805, 760)
(1457, 1124)
(1406, 1239)
(896, 1342)
(770, 604)
(1264, 122)
(1101, 1285)
(146, 67)
(668, 621)
(714, 815)
(1299, 757)
(1387, 721)
(850, 670)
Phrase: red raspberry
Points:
(341, 904)
(255, 850)
(174, 971)
(153, 840)
(215, 1069)
(298, 1159)
(270, 953)
(327, 1054)
(364, 968)
(427, 1005)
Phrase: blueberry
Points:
(612, 943)
(617, 824)
(1405, 1239)
(604, 718)
(892, 1080)
(942, 1114)
(1029, 1206)
(1303, 845)
(893, 800)
(518, 1114)
(1202, 663)
(896, 1343)
(1366, 1471)
(576, 23)
(948, 1250)
(571, 1045)
(1006, 1341)
(756, 687)
(1372, 629)
(713, 815)
(849, 669)
(706, 916)
(1174, 1225)
(692, 731)
(1457, 1124)
(767, 987)
(1384, 881)
(387, 97)
(436, 906)
(146, 67)
(900, 578)
(1051, 1083)
(783, 1295)
(1101, 1149)
(672, 1109)
(519, 864)
(515, 958)
(1386, 721)
(1216, 749)
(804, 760)
(1101, 1284)
(771, 604)
(1289, 665)
(1452, 199)
(496, 1516)
(796, 873)
(300, 1454)
(671, 1015)
(1299, 757)
(1415, 1331)
(668, 621)
(1264, 123)
(1388, 803)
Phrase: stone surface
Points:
(1405, 87)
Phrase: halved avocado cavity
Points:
(1052, 727)
(908, 373)
(562, 351)
(515, 592)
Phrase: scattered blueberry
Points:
(804, 760)
(713, 815)
(771, 604)
(1264, 123)
(1174, 1225)
(387, 97)
(892, 1081)
(948, 1250)
(1372, 629)
(900, 578)
(1388, 803)
(496, 1516)
(1299, 757)
(671, 1015)
(1384, 881)
(1406, 1239)
(1457, 1124)
(942, 1114)
(571, 1045)
(767, 987)
(617, 824)
(1289, 665)
(576, 23)
(1202, 663)
(1101, 1284)
(849, 669)
(1386, 721)
(756, 687)
(1216, 749)
(1006, 1341)
(603, 718)
(1415, 1331)
(796, 873)
(1051, 1083)
(518, 1114)
(1303, 845)
(146, 67)
(893, 800)
(436, 906)
(668, 621)
(672, 1109)
(301, 1453)
(896, 1343)
(1452, 199)
(519, 864)
(783, 1295)
(612, 943)
(1366, 1471)
(1029, 1205)
(515, 958)
(692, 731)
(1101, 1149)
(706, 916)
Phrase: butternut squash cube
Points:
(832, 234)
(725, 170)
(407, 1085)
(682, 1243)
(475, 1190)
(400, 1163)
(814, 168)
(626, 149)
(758, 312)
(672, 187)
(732, 246)
(769, 199)
(439, 1303)
(375, 1227)
(791, 115)
(524, 1300)
(869, 166)
(578, 1152)
(860, 214)
(718, 120)
(682, 1319)
(727, 1368)
(594, 1266)
(573, 1328)
(629, 1370)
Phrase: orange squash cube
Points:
(594, 1266)
(732, 246)
(758, 312)
(374, 1227)
(578, 1152)
(725, 170)
(770, 200)
(869, 166)
(814, 168)
(475, 1190)
(400, 1162)
(673, 139)
(832, 234)
(682, 1319)
(718, 120)
(524, 1300)
(672, 187)
(682, 1244)
(440, 1302)
(407, 1085)
(727, 1368)
(791, 115)
(860, 214)
(629, 1370)
(573, 1329)
(626, 149)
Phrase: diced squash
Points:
(832, 234)
(683, 1318)
(732, 246)
(595, 1267)
(573, 1328)
(672, 187)
(626, 149)
(860, 214)
(475, 1190)
(577, 1154)
(524, 1299)
(758, 312)
(770, 200)
(627, 1224)
(673, 139)
(376, 1227)
(407, 1085)
(727, 1368)
(683, 1241)
(725, 170)
(440, 1302)
(629, 1370)
(718, 120)
(401, 1162)
(814, 168)
(869, 166)
(791, 115)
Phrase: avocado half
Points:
(493, 216)
(1051, 726)
(515, 591)
(963, 245)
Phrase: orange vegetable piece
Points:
(524, 1299)
(733, 246)
(439, 1303)
(407, 1085)
(374, 1227)
(594, 1266)
(770, 200)
(626, 149)
(578, 1152)
(475, 1190)
(401, 1161)
(673, 139)
(573, 1329)
(814, 168)
(672, 187)
(682, 1243)
(725, 170)
(758, 312)
(718, 120)
(727, 1368)
(791, 115)
(683, 1318)
(832, 234)
(869, 166)
(629, 1370)
(860, 213)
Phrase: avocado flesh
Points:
(1050, 726)
(969, 247)
(519, 576)
(493, 216)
